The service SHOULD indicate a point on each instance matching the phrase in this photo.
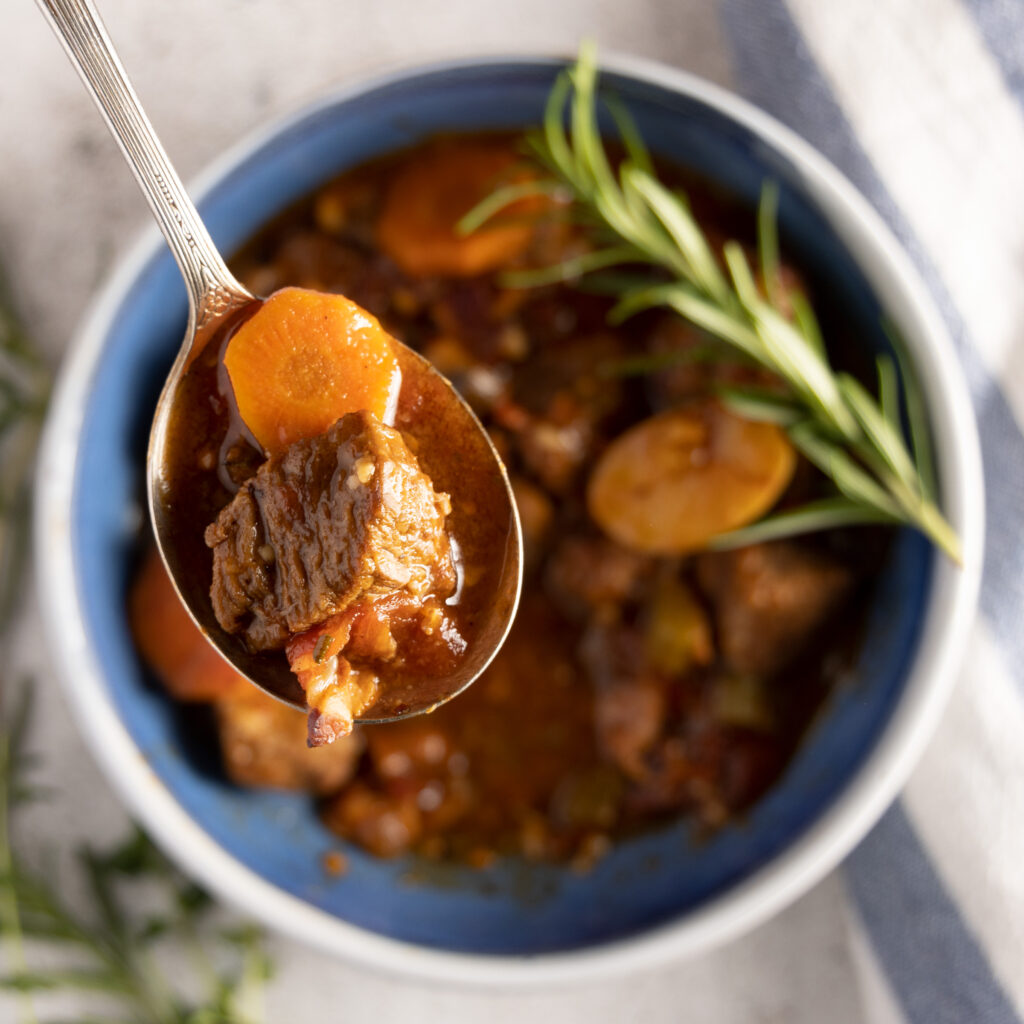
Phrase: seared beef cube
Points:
(586, 575)
(560, 408)
(332, 519)
(263, 743)
(628, 718)
(666, 782)
(769, 599)
(555, 450)
(630, 706)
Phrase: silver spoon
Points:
(215, 299)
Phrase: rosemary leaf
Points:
(826, 514)
(632, 219)
(505, 196)
(655, 362)
(588, 148)
(115, 947)
(692, 306)
(768, 242)
(884, 435)
(889, 390)
(555, 142)
(806, 321)
(851, 480)
(917, 414)
(698, 261)
(760, 404)
(570, 270)
(64, 979)
(636, 151)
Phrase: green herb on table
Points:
(631, 220)
(24, 388)
(109, 950)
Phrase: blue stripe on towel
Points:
(933, 962)
(936, 968)
(1001, 23)
(777, 71)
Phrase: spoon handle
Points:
(212, 288)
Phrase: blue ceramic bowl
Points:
(657, 895)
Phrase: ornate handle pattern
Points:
(212, 289)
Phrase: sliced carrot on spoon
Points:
(303, 360)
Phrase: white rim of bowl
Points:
(948, 617)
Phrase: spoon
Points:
(216, 300)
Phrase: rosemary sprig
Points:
(24, 389)
(633, 220)
(113, 948)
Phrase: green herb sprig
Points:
(112, 947)
(633, 221)
(24, 390)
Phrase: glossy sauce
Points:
(210, 453)
(593, 720)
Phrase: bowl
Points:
(659, 895)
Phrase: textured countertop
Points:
(208, 71)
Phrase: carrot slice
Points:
(304, 360)
(427, 197)
(674, 481)
(172, 644)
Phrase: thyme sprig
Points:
(632, 220)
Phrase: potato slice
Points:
(674, 481)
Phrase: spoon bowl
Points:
(216, 301)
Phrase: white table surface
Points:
(208, 71)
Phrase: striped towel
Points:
(921, 104)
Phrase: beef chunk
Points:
(332, 519)
(560, 408)
(630, 707)
(587, 575)
(768, 600)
